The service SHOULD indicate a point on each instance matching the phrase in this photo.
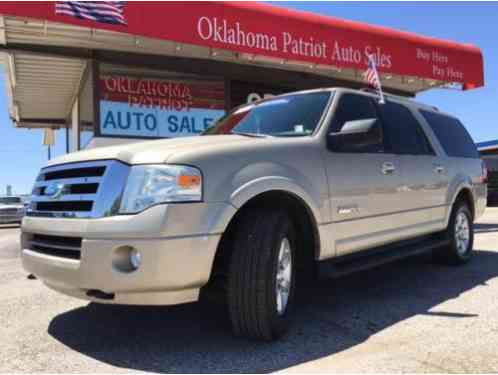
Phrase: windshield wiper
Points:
(253, 135)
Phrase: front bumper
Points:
(177, 242)
(172, 270)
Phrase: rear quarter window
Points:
(452, 135)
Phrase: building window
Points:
(137, 102)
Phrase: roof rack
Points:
(374, 91)
(389, 95)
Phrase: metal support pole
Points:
(67, 139)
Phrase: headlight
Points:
(148, 185)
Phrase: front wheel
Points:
(460, 233)
(262, 274)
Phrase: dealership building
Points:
(488, 148)
(159, 69)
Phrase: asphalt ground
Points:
(408, 316)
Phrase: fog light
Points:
(126, 259)
(135, 258)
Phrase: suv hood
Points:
(153, 152)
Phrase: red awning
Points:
(275, 32)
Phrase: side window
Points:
(403, 131)
(452, 135)
(353, 107)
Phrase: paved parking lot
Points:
(410, 316)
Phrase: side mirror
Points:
(356, 136)
(359, 126)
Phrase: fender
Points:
(272, 183)
(278, 183)
(254, 179)
(459, 183)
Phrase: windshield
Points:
(286, 116)
(10, 200)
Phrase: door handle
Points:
(438, 168)
(388, 168)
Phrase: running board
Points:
(375, 257)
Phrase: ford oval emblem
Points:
(55, 190)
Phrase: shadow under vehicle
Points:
(335, 315)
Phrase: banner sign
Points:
(267, 30)
(158, 108)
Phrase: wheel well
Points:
(466, 196)
(304, 223)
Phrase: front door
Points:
(364, 183)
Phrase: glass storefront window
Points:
(143, 103)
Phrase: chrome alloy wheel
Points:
(462, 233)
(284, 275)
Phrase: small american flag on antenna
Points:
(370, 74)
(100, 11)
(371, 77)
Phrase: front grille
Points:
(79, 190)
(75, 173)
(65, 206)
(8, 211)
(58, 246)
(83, 188)
(72, 189)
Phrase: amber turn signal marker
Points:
(188, 181)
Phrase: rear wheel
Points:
(460, 233)
(262, 274)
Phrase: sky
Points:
(22, 153)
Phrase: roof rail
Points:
(374, 91)
(389, 95)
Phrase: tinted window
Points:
(403, 131)
(452, 135)
(491, 164)
(285, 116)
(353, 107)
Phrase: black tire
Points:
(253, 268)
(450, 254)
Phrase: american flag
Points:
(371, 77)
(100, 11)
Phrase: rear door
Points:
(423, 178)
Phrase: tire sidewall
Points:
(281, 323)
(462, 208)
